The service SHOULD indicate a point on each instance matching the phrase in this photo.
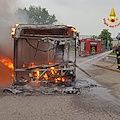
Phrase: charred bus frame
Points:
(36, 37)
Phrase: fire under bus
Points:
(42, 54)
(89, 47)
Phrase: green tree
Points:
(106, 38)
(36, 15)
(94, 36)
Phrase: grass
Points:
(72, 49)
(112, 53)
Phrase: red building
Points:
(89, 46)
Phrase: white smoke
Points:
(8, 19)
(22, 16)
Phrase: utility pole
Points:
(118, 38)
(107, 41)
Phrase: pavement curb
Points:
(107, 68)
(113, 56)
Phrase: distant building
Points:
(115, 42)
(85, 36)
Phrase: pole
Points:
(75, 49)
(48, 49)
(118, 43)
(68, 51)
(107, 40)
(118, 38)
(14, 59)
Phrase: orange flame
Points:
(24, 66)
(52, 69)
(14, 29)
(63, 79)
(7, 62)
(32, 64)
(46, 75)
(36, 73)
(73, 29)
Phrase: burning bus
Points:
(42, 54)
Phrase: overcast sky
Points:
(86, 15)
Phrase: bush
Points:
(112, 53)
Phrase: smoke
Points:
(22, 16)
(7, 21)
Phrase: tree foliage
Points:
(36, 15)
(106, 38)
(94, 36)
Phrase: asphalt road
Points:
(97, 103)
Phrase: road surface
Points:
(97, 103)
